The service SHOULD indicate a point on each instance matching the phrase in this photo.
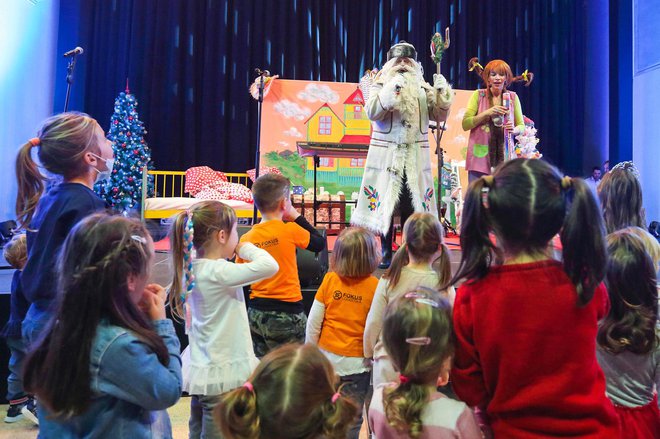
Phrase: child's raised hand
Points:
(153, 301)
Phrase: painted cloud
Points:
(291, 110)
(315, 93)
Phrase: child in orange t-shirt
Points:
(339, 313)
(275, 310)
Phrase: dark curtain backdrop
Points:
(190, 62)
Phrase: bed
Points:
(170, 198)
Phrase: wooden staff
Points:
(438, 47)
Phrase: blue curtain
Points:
(190, 62)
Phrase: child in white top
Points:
(211, 300)
(422, 261)
(418, 335)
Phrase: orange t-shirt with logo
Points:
(280, 239)
(347, 302)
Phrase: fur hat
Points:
(402, 49)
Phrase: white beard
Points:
(409, 106)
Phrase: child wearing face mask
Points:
(73, 146)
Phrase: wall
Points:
(646, 97)
(28, 31)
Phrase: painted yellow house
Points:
(356, 121)
(325, 126)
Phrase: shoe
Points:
(385, 261)
(29, 410)
(14, 411)
(386, 250)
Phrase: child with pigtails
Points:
(207, 292)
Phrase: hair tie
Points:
(566, 182)
(248, 385)
(419, 341)
(140, 239)
(414, 295)
(35, 141)
(335, 397)
(403, 379)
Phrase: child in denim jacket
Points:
(108, 364)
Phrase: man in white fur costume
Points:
(398, 167)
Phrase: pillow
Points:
(221, 191)
(199, 177)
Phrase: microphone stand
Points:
(69, 79)
(257, 159)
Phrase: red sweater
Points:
(526, 352)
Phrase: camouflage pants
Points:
(271, 329)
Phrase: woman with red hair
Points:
(487, 118)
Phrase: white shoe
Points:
(29, 411)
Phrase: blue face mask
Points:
(105, 174)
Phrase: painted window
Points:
(325, 125)
(357, 163)
(326, 162)
(357, 112)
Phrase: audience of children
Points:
(104, 361)
(422, 261)
(293, 393)
(418, 336)
(339, 313)
(107, 363)
(71, 146)
(526, 324)
(15, 253)
(210, 288)
(628, 346)
(275, 309)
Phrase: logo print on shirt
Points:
(338, 295)
(266, 244)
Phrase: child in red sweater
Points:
(526, 324)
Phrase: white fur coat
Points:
(399, 146)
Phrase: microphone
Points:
(262, 72)
(77, 51)
(506, 102)
(397, 88)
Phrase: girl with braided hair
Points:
(207, 292)
(525, 323)
(418, 336)
(108, 362)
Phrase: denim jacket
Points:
(131, 389)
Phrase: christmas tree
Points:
(123, 190)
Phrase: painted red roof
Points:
(319, 109)
(355, 140)
(355, 98)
